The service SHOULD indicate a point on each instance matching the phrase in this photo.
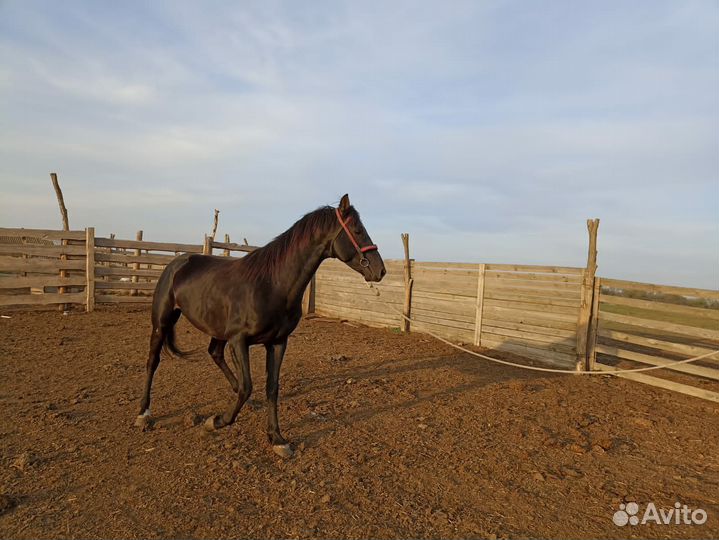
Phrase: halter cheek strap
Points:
(361, 250)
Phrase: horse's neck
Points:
(300, 267)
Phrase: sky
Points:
(488, 130)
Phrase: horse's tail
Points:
(164, 313)
(169, 345)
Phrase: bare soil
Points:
(396, 436)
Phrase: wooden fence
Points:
(41, 267)
(562, 316)
(641, 324)
(528, 310)
(45, 267)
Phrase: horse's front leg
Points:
(240, 354)
(275, 354)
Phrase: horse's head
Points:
(353, 246)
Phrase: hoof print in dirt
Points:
(192, 420)
(24, 461)
(283, 450)
(7, 503)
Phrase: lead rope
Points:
(545, 370)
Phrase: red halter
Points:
(361, 250)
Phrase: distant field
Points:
(665, 316)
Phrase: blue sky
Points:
(490, 131)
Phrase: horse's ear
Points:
(344, 203)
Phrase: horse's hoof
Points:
(282, 450)
(210, 424)
(143, 421)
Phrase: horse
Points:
(254, 300)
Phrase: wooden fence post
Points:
(585, 305)
(207, 245)
(408, 283)
(479, 305)
(308, 299)
(136, 265)
(90, 269)
(593, 325)
(226, 253)
(65, 227)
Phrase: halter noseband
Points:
(361, 250)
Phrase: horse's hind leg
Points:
(217, 352)
(161, 325)
(153, 360)
(240, 354)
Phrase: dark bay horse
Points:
(254, 300)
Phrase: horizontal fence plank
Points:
(41, 251)
(554, 358)
(42, 299)
(571, 270)
(560, 333)
(146, 245)
(449, 265)
(40, 281)
(440, 319)
(459, 317)
(355, 314)
(362, 304)
(121, 299)
(529, 306)
(533, 318)
(569, 294)
(386, 294)
(463, 301)
(663, 383)
(349, 297)
(503, 294)
(652, 288)
(445, 306)
(44, 234)
(446, 287)
(127, 259)
(662, 345)
(661, 306)
(533, 284)
(359, 288)
(700, 371)
(444, 273)
(124, 271)
(523, 335)
(533, 276)
(122, 285)
(501, 312)
(671, 328)
(543, 342)
(39, 266)
(447, 332)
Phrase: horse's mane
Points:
(268, 260)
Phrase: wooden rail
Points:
(635, 332)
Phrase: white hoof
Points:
(282, 450)
(143, 420)
(210, 423)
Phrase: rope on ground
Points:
(669, 364)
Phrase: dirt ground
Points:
(396, 436)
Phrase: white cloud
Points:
(485, 130)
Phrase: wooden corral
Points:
(561, 316)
